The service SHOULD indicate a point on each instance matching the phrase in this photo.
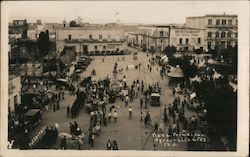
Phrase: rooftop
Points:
(214, 15)
(90, 28)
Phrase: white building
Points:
(14, 90)
(220, 30)
(187, 39)
(88, 39)
(153, 38)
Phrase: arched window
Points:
(217, 34)
(223, 34)
(229, 34)
(209, 34)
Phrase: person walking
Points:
(115, 116)
(141, 103)
(141, 119)
(126, 101)
(130, 110)
(115, 145)
(156, 127)
(109, 145)
(109, 116)
(68, 111)
(63, 144)
(92, 140)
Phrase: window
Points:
(229, 34)
(69, 37)
(90, 36)
(186, 41)
(223, 44)
(180, 41)
(229, 22)
(217, 44)
(100, 36)
(210, 21)
(236, 22)
(199, 40)
(95, 47)
(228, 44)
(236, 35)
(217, 34)
(224, 22)
(209, 34)
(161, 33)
(209, 45)
(223, 34)
(217, 22)
(104, 47)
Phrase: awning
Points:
(155, 94)
(176, 72)
(62, 80)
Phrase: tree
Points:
(221, 104)
(170, 51)
(73, 23)
(44, 44)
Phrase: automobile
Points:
(32, 118)
(83, 62)
(155, 99)
(62, 83)
(78, 70)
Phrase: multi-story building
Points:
(90, 39)
(187, 39)
(153, 38)
(35, 29)
(18, 29)
(132, 38)
(220, 30)
(14, 92)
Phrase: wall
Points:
(187, 33)
(108, 34)
(154, 38)
(80, 37)
(14, 90)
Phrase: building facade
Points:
(14, 92)
(153, 38)
(187, 39)
(132, 38)
(18, 28)
(88, 39)
(35, 29)
(221, 31)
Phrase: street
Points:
(130, 134)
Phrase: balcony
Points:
(94, 41)
(222, 26)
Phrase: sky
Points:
(148, 12)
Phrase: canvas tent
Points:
(176, 72)
(176, 76)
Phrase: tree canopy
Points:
(73, 23)
(44, 43)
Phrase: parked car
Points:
(32, 118)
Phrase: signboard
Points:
(193, 33)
